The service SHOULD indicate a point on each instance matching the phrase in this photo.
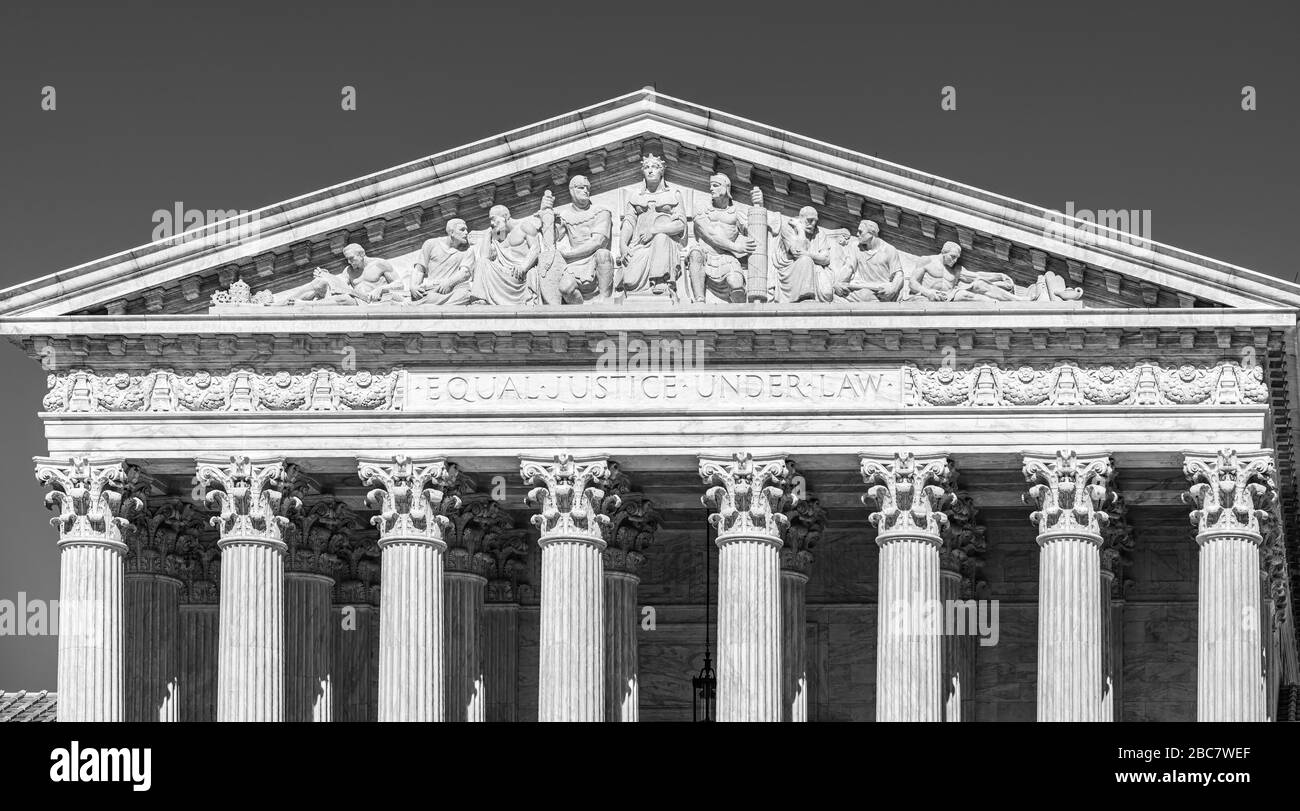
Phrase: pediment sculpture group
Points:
(564, 255)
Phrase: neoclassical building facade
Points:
(534, 428)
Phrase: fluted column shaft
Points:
(308, 668)
(794, 646)
(199, 651)
(1069, 628)
(250, 670)
(91, 638)
(1228, 646)
(1106, 640)
(353, 667)
(749, 628)
(411, 657)
(501, 661)
(572, 630)
(958, 651)
(622, 693)
(908, 655)
(464, 607)
(152, 647)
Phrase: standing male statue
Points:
(507, 255)
(653, 232)
(363, 280)
(874, 271)
(576, 264)
(722, 241)
(444, 268)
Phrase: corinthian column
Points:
(747, 496)
(1069, 493)
(472, 524)
(909, 492)
(317, 533)
(90, 675)
(250, 668)
(411, 530)
(1117, 543)
(961, 562)
(807, 520)
(153, 593)
(1232, 493)
(199, 621)
(354, 630)
(509, 552)
(571, 517)
(630, 532)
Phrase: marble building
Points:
(520, 430)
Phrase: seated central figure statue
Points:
(444, 268)
(653, 233)
(364, 280)
(721, 241)
(940, 278)
(802, 259)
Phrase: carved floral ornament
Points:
(1233, 493)
(983, 385)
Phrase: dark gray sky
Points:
(236, 105)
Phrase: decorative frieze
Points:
(987, 384)
(163, 390)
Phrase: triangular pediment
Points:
(391, 213)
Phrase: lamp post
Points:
(704, 687)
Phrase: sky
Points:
(237, 105)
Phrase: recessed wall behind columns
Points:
(1160, 618)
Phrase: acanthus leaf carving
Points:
(571, 503)
(1070, 493)
(409, 495)
(87, 496)
(1232, 492)
(910, 493)
(748, 495)
(249, 504)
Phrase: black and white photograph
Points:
(679, 363)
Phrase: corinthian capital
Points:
(630, 532)
(748, 493)
(910, 492)
(319, 530)
(1070, 493)
(87, 495)
(475, 523)
(1232, 492)
(409, 496)
(508, 550)
(807, 522)
(571, 496)
(163, 533)
(249, 503)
